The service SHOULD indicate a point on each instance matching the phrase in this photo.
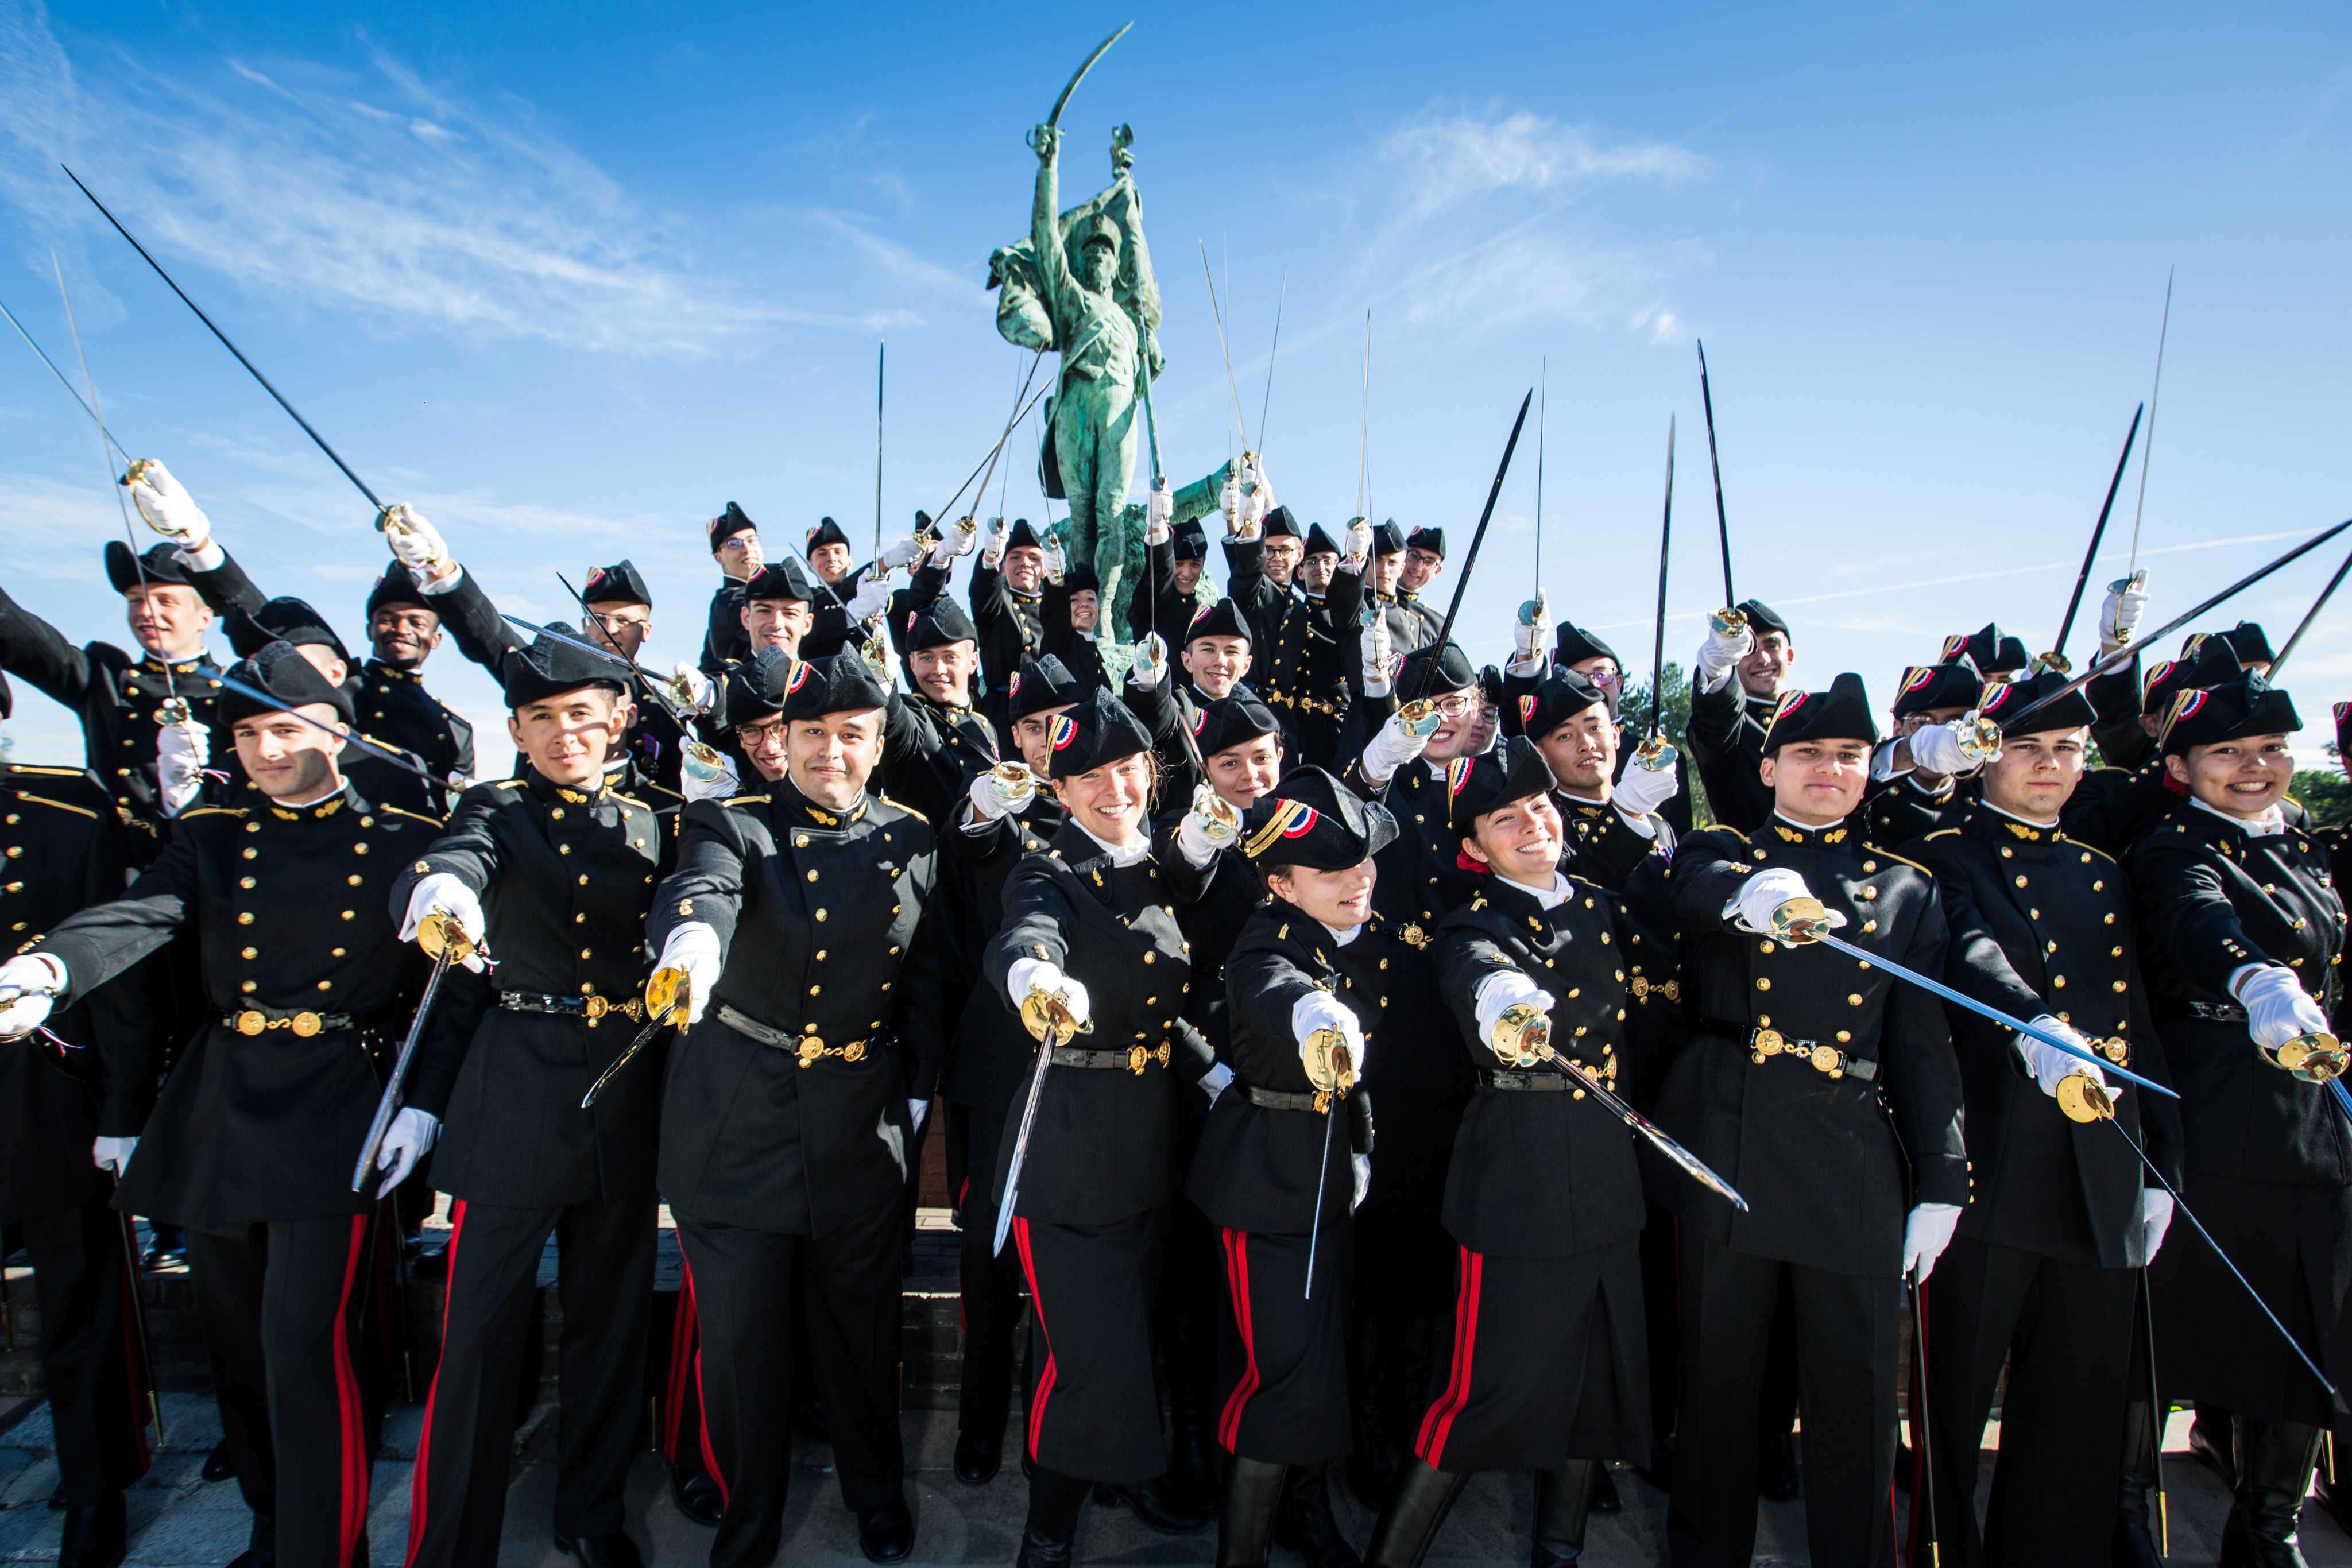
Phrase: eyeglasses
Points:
(759, 736)
(1460, 705)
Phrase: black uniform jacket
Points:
(1259, 1167)
(1104, 1143)
(2213, 898)
(822, 917)
(64, 852)
(1079, 651)
(1420, 881)
(1725, 732)
(725, 642)
(1602, 846)
(2041, 923)
(1213, 925)
(289, 908)
(565, 877)
(1819, 1159)
(1541, 1174)
(1296, 652)
(992, 1052)
(931, 752)
(1012, 625)
(395, 708)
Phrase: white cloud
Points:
(1460, 157)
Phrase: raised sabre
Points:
(176, 709)
(2056, 658)
(1100, 49)
(1658, 641)
(440, 935)
(1445, 633)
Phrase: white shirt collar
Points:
(2271, 822)
(1343, 935)
(1779, 815)
(1559, 892)
(2049, 827)
(1125, 854)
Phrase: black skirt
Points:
(1094, 1405)
(1282, 1361)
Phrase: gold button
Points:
(800, 841)
(355, 879)
(338, 952)
(249, 985)
(359, 849)
(1763, 985)
(811, 876)
(245, 918)
(584, 881)
(814, 989)
(820, 915)
(585, 954)
(2119, 984)
(250, 952)
(2020, 882)
(245, 882)
(820, 954)
(351, 915)
(1854, 999)
(1764, 947)
(1148, 957)
(563, 849)
(326, 985)
(557, 813)
(252, 854)
(579, 919)
(253, 827)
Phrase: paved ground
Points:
(178, 1520)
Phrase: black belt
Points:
(304, 1022)
(590, 1008)
(808, 1047)
(1763, 1044)
(1135, 1058)
(1540, 1082)
(1319, 1103)
(2212, 1012)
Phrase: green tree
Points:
(2325, 794)
(1673, 717)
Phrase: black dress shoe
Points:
(613, 1550)
(886, 1534)
(95, 1536)
(1157, 1503)
(978, 1453)
(1604, 1498)
(1776, 1470)
(696, 1493)
(167, 1247)
(260, 1547)
(220, 1464)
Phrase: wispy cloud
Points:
(373, 192)
(1461, 157)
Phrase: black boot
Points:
(1417, 1505)
(2331, 1492)
(1157, 1502)
(95, 1536)
(696, 1491)
(1305, 1524)
(1245, 1521)
(2210, 1441)
(2133, 1543)
(1564, 1497)
(220, 1464)
(261, 1546)
(1372, 1462)
(2273, 1463)
(1604, 1491)
(1053, 1528)
(1194, 1470)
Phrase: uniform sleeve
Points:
(1705, 878)
(1036, 924)
(467, 849)
(98, 944)
(1186, 883)
(481, 633)
(1260, 988)
(1974, 961)
(1262, 603)
(1466, 956)
(1922, 1075)
(707, 886)
(2113, 810)
(2159, 1115)
(35, 651)
(227, 589)
(463, 1000)
(2185, 920)
(724, 632)
(1712, 727)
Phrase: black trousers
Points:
(1283, 1354)
(605, 1276)
(90, 1350)
(279, 1300)
(1094, 1407)
(745, 1303)
(683, 1440)
(1847, 1336)
(988, 1284)
(2066, 1331)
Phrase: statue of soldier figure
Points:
(1081, 284)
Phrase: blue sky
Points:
(568, 278)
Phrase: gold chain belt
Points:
(255, 1020)
(1828, 1059)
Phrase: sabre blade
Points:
(1722, 526)
(1698, 1169)
(349, 737)
(1665, 554)
(1445, 633)
(644, 1037)
(1021, 1141)
(2099, 532)
(2311, 615)
(388, 1103)
(1100, 49)
(1315, 1225)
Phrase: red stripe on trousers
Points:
(1229, 1423)
(684, 1344)
(419, 1494)
(702, 1406)
(347, 1396)
(1439, 1420)
(1037, 1306)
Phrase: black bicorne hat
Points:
(1228, 722)
(619, 583)
(1311, 820)
(1762, 617)
(1281, 525)
(1953, 683)
(838, 683)
(1572, 644)
(279, 671)
(2248, 641)
(1454, 672)
(544, 668)
(1096, 733)
(785, 579)
(1388, 538)
(939, 624)
(2206, 662)
(826, 532)
(2232, 711)
(1189, 541)
(160, 564)
(1081, 580)
(282, 620)
(1430, 539)
(2072, 711)
(396, 586)
(1562, 695)
(728, 524)
(1477, 785)
(1840, 712)
(1318, 542)
(1222, 619)
(1022, 536)
(1991, 651)
(755, 688)
(1041, 683)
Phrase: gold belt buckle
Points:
(596, 1008)
(250, 1022)
(812, 1048)
(1137, 1055)
(854, 1052)
(1767, 1043)
(1828, 1059)
(307, 1024)
(2117, 1051)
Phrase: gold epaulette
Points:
(1890, 854)
(45, 772)
(213, 811)
(510, 783)
(745, 801)
(631, 800)
(902, 806)
(413, 816)
(60, 805)
(1943, 833)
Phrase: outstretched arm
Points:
(1044, 227)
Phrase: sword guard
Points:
(1045, 1012)
(1522, 1036)
(2082, 1098)
(441, 935)
(1979, 739)
(1657, 753)
(1421, 719)
(1801, 920)
(1330, 1066)
(1726, 622)
(703, 763)
(2056, 661)
(2314, 1057)
(667, 991)
(174, 710)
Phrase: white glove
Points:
(694, 947)
(1215, 1082)
(1925, 1235)
(1527, 630)
(2050, 1066)
(2277, 1008)
(1057, 560)
(699, 781)
(181, 752)
(1229, 500)
(1028, 975)
(916, 1111)
(1378, 655)
(1641, 790)
(1720, 652)
(408, 1140)
(872, 598)
(415, 543)
(1321, 1010)
(700, 692)
(960, 540)
(37, 978)
(1358, 545)
(1392, 746)
(449, 893)
(1765, 892)
(1501, 991)
(1362, 1165)
(1157, 509)
(1259, 487)
(168, 510)
(906, 552)
(2118, 619)
(1150, 660)
(2155, 1217)
(991, 798)
(113, 1153)
(1256, 503)
(1936, 749)
(993, 551)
